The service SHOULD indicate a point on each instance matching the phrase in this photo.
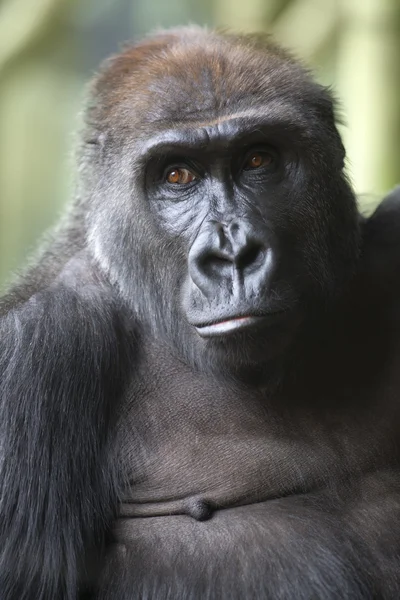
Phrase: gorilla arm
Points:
(60, 361)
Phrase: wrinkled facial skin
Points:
(224, 229)
(217, 188)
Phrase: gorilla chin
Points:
(249, 348)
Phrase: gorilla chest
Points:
(191, 445)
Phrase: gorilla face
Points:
(215, 188)
(219, 206)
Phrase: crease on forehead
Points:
(226, 128)
(272, 112)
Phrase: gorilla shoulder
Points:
(382, 239)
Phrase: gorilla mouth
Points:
(233, 324)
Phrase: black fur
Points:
(61, 364)
(145, 457)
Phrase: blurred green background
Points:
(49, 49)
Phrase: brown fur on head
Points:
(176, 75)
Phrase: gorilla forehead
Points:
(172, 76)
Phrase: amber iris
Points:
(257, 160)
(180, 176)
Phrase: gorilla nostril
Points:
(234, 228)
(250, 256)
(221, 261)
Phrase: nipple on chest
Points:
(197, 508)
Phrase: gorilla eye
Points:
(256, 160)
(180, 176)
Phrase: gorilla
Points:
(200, 372)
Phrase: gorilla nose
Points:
(233, 252)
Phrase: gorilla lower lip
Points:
(229, 326)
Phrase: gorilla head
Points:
(218, 203)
